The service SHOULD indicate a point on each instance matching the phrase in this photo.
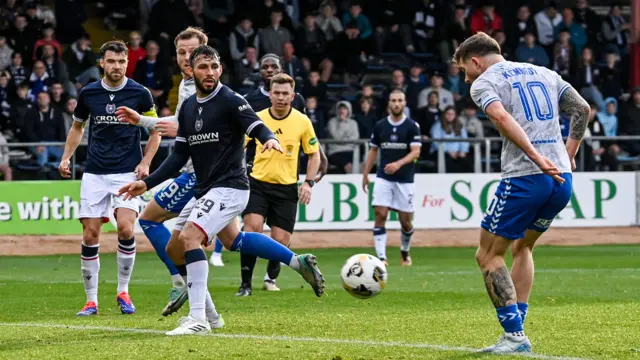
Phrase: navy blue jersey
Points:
(394, 141)
(214, 129)
(114, 146)
(259, 100)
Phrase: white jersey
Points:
(186, 89)
(531, 94)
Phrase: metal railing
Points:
(481, 155)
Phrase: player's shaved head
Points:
(477, 45)
(190, 33)
(397, 102)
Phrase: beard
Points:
(114, 76)
(397, 113)
(202, 88)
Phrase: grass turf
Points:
(584, 305)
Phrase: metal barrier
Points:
(479, 156)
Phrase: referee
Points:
(274, 176)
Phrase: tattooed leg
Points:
(499, 286)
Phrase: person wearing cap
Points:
(446, 97)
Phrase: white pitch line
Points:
(287, 338)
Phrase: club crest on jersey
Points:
(111, 108)
(199, 124)
(290, 150)
(394, 137)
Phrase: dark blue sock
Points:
(182, 269)
(262, 246)
(522, 309)
(159, 237)
(509, 318)
(218, 247)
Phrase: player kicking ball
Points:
(398, 140)
(114, 159)
(211, 129)
(523, 101)
(173, 198)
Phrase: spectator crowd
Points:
(345, 55)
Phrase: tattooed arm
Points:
(578, 110)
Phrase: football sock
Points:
(218, 247)
(210, 308)
(159, 236)
(178, 281)
(523, 308)
(380, 239)
(90, 266)
(265, 247)
(247, 264)
(510, 319)
(273, 270)
(126, 258)
(405, 243)
(197, 274)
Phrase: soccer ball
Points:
(364, 276)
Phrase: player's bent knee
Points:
(191, 236)
(125, 230)
(153, 212)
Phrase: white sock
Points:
(90, 267)
(197, 274)
(266, 277)
(518, 335)
(380, 240)
(126, 258)
(178, 281)
(405, 240)
(210, 308)
(294, 263)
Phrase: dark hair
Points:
(205, 51)
(116, 46)
(272, 56)
(479, 44)
(283, 78)
(455, 126)
(190, 33)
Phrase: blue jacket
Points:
(363, 24)
(578, 36)
(437, 132)
(524, 53)
(609, 121)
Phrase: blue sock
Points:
(262, 246)
(522, 309)
(218, 247)
(159, 237)
(509, 318)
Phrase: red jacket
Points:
(134, 57)
(478, 23)
(42, 42)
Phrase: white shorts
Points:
(394, 195)
(97, 192)
(217, 208)
(184, 215)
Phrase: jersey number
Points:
(173, 188)
(537, 92)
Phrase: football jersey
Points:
(294, 131)
(186, 89)
(214, 128)
(531, 94)
(259, 100)
(114, 146)
(394, 139)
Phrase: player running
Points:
(171, 200)
(114, 159)
(274, 177)
(398, 139)
(214, 121)
(523, 101)
(259, 99)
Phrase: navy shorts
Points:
(177, 194)
(526, 202)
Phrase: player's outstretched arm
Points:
(167, 126)
(371, 158)
(73, 140)
(510, 129)
(578, 110)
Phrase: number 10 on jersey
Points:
(537, 93)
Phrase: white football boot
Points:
(190, 326)
(509, 343)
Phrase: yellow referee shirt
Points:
(291, 131)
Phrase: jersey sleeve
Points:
(180, 136)
(414, 133)
(243, 113)
(81, 112)
(484, 92)
(561, 86)
(375, 137)
(147, 107)
(310, 143)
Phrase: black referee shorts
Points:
(277, 203)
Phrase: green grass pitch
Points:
(584, 305)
